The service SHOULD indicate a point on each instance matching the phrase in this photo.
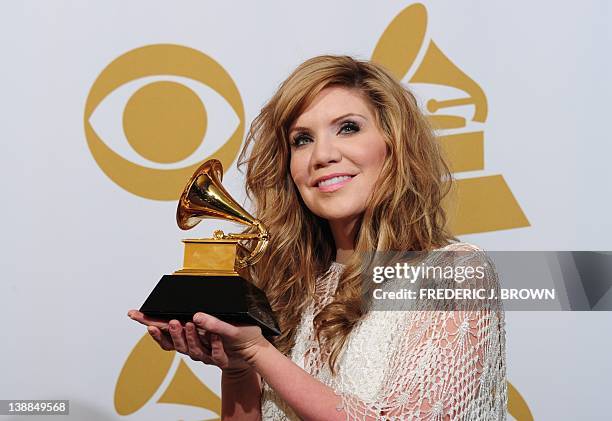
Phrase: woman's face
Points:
(337, 153)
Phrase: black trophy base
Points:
(229, 298)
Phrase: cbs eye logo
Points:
(165, 131)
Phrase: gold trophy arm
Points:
(255, 254)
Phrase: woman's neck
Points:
(344, 232)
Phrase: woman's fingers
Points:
(214, 325)
(177, 333)
(148, 321)
(197, 350)
(194, 339)
(164, 342)
(218, 354)
(203, 336)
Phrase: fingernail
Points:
(130, 314)
(198, 318)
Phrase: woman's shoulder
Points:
(460, 246)
(461, 252)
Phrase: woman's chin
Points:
(342, 217)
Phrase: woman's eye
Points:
(300, 140)
(349, 127)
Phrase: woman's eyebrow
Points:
(334, 121)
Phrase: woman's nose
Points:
(325, 152)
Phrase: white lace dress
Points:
(409, 365)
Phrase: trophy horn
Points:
(205, 197)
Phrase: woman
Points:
(341, 162)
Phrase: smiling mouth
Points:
(334, 183)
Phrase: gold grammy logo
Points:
(482, 203)
(145, 370)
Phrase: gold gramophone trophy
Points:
(209, 281)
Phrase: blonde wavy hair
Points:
(404, 213)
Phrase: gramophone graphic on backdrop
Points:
(209, 280)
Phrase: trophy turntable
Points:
(209, 281)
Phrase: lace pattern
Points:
(424, 363)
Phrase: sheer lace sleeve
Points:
(449, 363)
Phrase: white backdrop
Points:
(79, 250)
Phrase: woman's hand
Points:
(207, 339)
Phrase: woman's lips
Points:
(334, 183)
